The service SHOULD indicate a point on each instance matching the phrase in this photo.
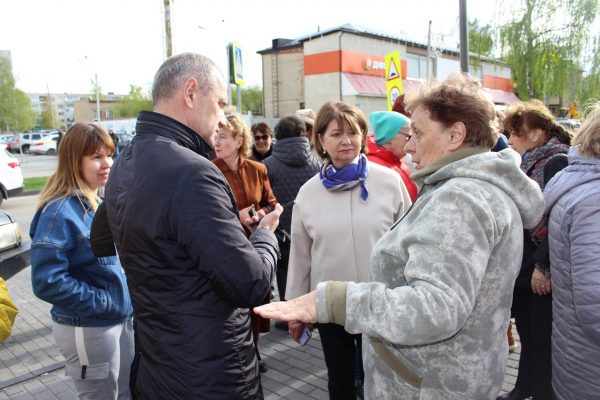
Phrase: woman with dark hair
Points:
(543, 144)
(262, 135)
(290, 165)
(251, 189)
(434, 312)
(91, 308)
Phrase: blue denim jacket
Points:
(85, 290)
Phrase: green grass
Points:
(35, 183)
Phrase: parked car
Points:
(10, 234)
(6, 138)
(571, 124)
(46, 145)
(11, 176)
(26, 139)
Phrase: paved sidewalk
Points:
(31, 367)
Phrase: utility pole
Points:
(427, 76)
(168, 42)
(464, 37)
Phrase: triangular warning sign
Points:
(393, 71)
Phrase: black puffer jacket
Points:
(290, 165)
(191, 271)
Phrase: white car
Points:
(46, 145)
(11, 176)
(10, 234)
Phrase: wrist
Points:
(540, 268)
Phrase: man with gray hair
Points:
(192, 273)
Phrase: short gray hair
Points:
(177, 69)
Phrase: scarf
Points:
(534, 160)
(347, 177)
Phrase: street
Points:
(22, 208)
(34, 166)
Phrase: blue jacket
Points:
(84, 290)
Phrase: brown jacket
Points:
(250, 184)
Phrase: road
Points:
(22, 208)
(34, 166)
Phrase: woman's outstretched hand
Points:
(301, 309)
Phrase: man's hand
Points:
(246, 219)
(271, 220)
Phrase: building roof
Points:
(279, 44)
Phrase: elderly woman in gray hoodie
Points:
(435, 312)
(573, 203)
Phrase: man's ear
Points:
(458, 134)
(190, 90)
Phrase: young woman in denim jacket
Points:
(92, 311)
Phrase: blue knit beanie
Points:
(386, 125)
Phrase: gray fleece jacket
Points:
(435, 312)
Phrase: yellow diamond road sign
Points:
(393, 77)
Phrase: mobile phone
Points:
(305, 336)
(252, 213)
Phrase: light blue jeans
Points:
(98, 359)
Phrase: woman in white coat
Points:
(337, 217)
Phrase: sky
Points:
(59, 46)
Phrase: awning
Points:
(375, 85)
(369, 85)
(502, 96)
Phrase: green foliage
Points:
(480, 42)
(35, 183)
(16, 113)
(130, 105)
(543, 43)
(48, 119)
(251, 99)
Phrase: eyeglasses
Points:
(261, 137)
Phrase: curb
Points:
(28, 193)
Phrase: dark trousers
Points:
(339, 348)
(282, 269)
(533, 316)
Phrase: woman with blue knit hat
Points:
(338, 216)
(386, 144)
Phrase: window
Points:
(416, 66)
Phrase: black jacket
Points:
(192, 273)
(289, 167)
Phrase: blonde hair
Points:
(588, 136)
(82, 139)
(239, 128)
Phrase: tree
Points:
(590, 85)
(480, 42)
(48, 119)
(16, 113)
(543, 43)
(251, 99)
(130, 105)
